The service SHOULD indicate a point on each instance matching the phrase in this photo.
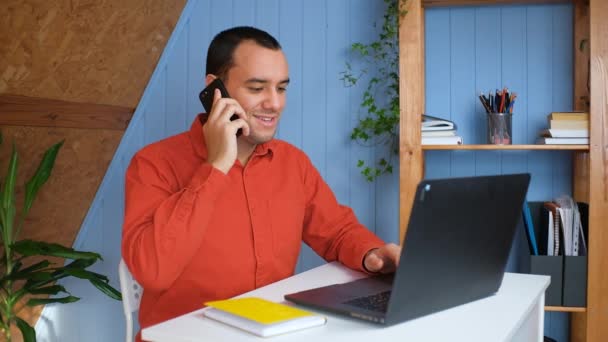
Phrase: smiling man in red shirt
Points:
(210, 215)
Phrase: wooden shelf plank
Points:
(436, 3)
(565, 309)
(17, 110)
(507, 147)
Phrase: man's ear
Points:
(209, 78)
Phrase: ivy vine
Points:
(380, 58)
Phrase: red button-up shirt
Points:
(193, 234)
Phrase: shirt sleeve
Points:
(159, 235)
(330, 229)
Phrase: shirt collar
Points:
(197, 138)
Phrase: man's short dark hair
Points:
(221, 50)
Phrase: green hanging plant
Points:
(380, 99)
(37, 280)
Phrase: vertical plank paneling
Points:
(267, 16)
(462, 85)
(220, 17)
(462, 67)
(93, 329)
(514, 71)
(488, 75)
(437, 83)
(175, 118)
(290, 128)
(135, 142)
(489, 60)
(154, 119)
(514, 67)
(361, 30)
(562, 88)
(539, 78)
(563, 57)
(386, 209)
(290, 37)
(314, 85)
(314, 125)
(244, 12)
(199, 35)
(338, 163)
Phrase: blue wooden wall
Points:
(528, 49)
(321, 112)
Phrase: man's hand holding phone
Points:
(221, 132)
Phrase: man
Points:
(210, 215)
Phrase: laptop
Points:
(455, 251)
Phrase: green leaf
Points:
(60, 273)
(36, 276)
(30, 247)
(41, 176)
(80, 263)
(28, 333)
(37, 266)
(44, 301)
(7, 202)
(50, 290)
(84, 274)
(106, 289)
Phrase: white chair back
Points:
(131, 296)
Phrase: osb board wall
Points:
(64, 200)
(101, 51)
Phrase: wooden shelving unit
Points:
(590, 169)
(565, 309)
(507, 147)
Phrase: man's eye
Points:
(282, 89)
(256, 90)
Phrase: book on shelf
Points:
(563, 141)
(453, 140)
(261, 317)
(448, 133)
(582, 116)
(569, 124)
(565, 133)
(432, 123)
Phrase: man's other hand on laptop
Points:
(382, 260)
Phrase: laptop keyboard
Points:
(377, 302)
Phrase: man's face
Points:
(258, 81)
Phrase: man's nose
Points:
(273, 100)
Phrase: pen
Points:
(484, 103)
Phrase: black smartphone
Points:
(206, 97)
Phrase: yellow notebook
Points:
(262, 317)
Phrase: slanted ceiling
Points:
(99, 52)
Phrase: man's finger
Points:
(373, 262)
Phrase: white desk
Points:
(515, 313)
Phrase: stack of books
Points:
(262, 317)
(566, 128)
(437, 131)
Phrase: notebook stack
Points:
(566, 128)
(437, 131)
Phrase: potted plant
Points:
(29, 283)
(380, 58)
